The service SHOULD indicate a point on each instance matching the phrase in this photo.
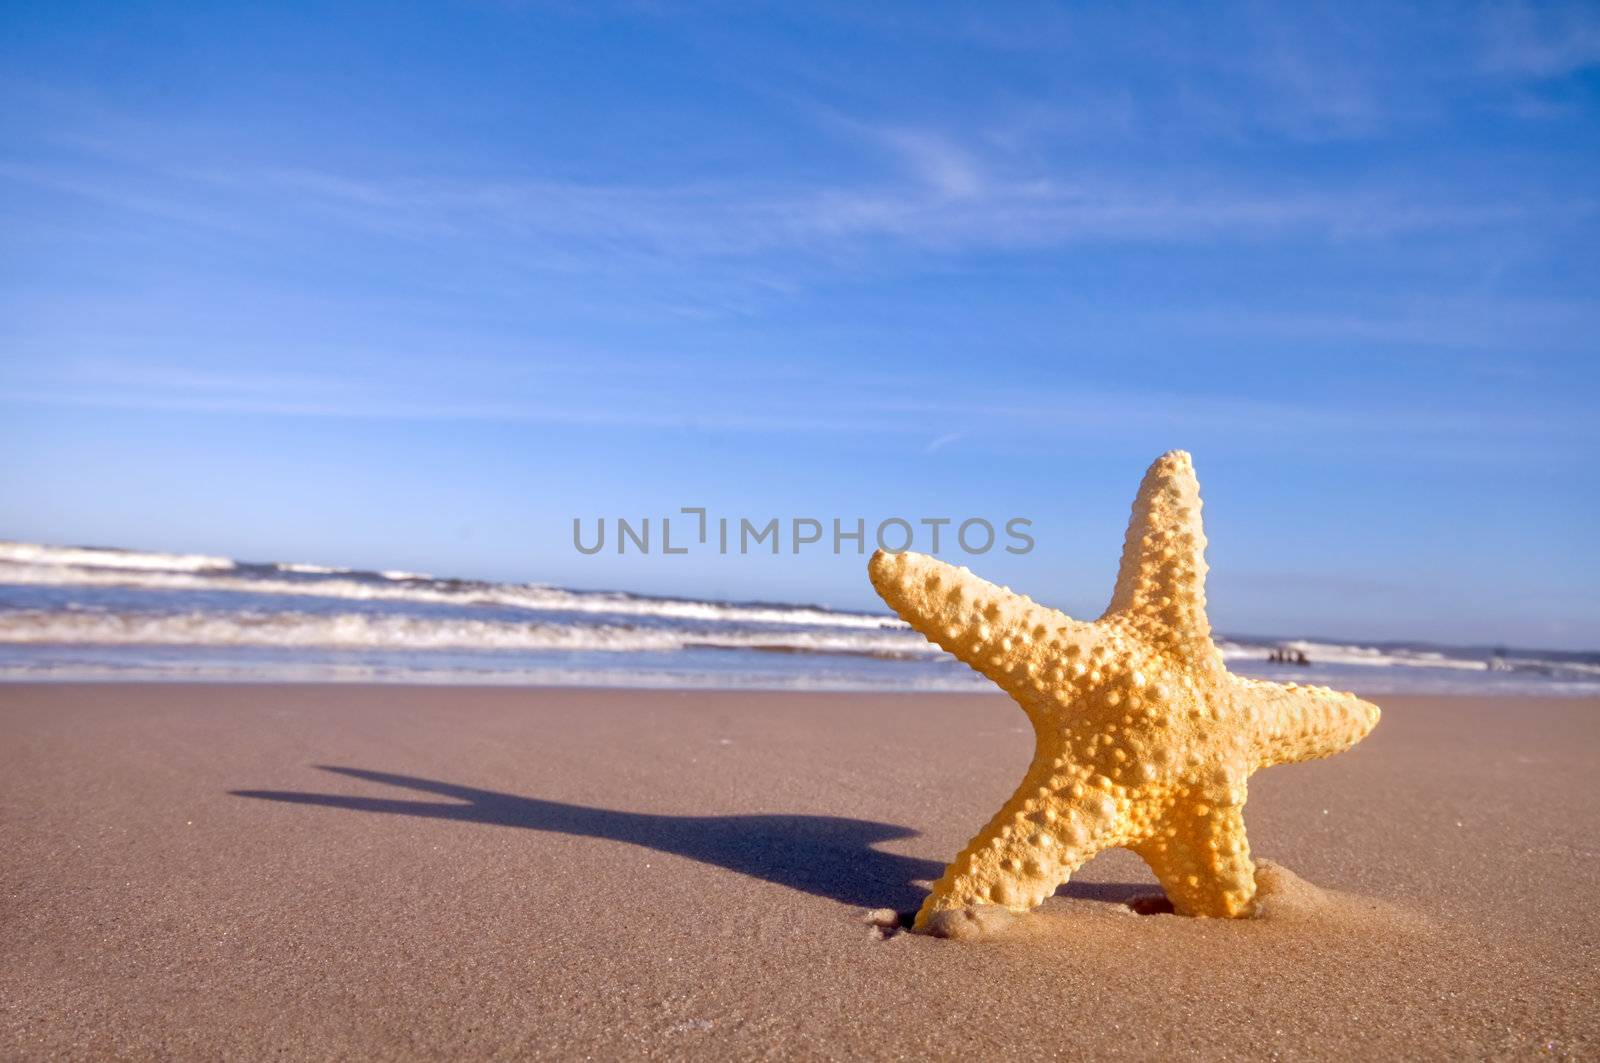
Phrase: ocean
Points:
(92, 613)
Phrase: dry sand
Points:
(603, 874)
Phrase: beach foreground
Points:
(349, 871)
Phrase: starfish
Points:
(1143, 738)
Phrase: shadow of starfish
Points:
(829, 856)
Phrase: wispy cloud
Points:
(1472, 322)
(1543, 40)
(894, 408)
(947, 206)
(937, 163)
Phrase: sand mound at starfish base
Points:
(1281, 896)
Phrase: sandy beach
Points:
(322, 871)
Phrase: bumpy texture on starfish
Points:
(1144, 739)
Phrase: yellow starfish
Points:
(1143, 738)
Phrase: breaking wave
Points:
(99, 557)
(155, 572)
(369, 631)
(68, 611)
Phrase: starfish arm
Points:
(1201, 856)
(1161, 583)
(1290, 723)
(1030, 651)
(1034, 843)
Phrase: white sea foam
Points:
(95, 557)
(365, 631)
(214, 670)
(1369, 656)
(422, 589)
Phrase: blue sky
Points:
(413, 286)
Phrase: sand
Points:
(320, 871)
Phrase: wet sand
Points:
(203, 871)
